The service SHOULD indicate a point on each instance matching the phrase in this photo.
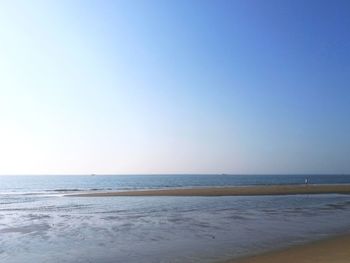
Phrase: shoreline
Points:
(229, 191)
(334, 249)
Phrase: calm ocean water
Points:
(39, 224)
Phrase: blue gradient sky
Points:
(174, 87)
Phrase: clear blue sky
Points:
(174, 86)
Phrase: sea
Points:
(40, 223)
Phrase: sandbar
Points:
(229, 191)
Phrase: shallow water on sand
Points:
(54, 228)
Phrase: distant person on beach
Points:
(306, 181)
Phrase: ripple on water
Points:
(32, 228)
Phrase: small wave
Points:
(80, 190)
(67, 190)
(100, 189)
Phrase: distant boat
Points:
(92, 174)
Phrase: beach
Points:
(333, 250)
(182, 222)
(229, 191)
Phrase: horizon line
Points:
(156, 174)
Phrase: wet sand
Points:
(230, 191)
(334, 250)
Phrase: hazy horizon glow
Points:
(120, 87)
